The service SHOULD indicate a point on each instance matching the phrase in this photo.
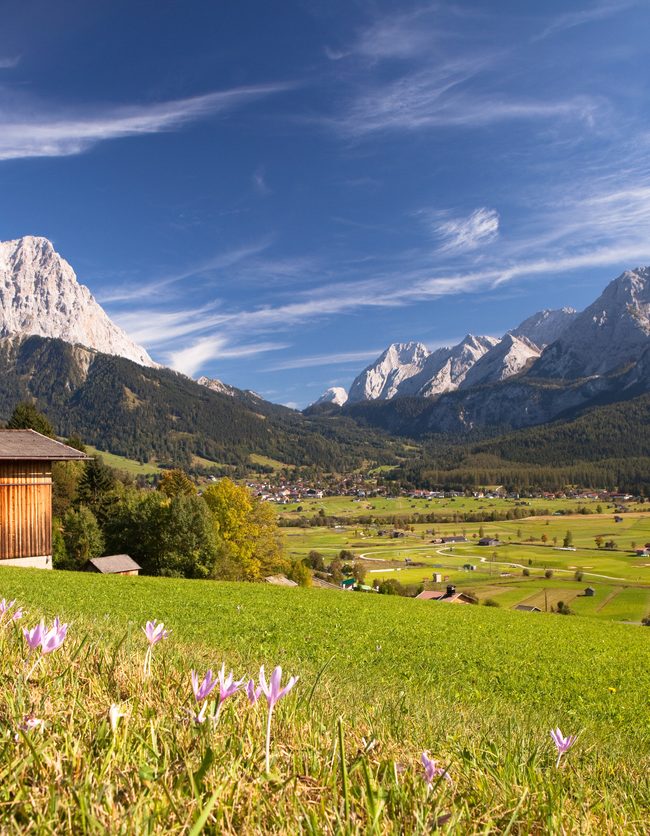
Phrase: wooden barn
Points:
(26, 495)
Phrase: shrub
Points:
(490, 602)
(548, 574)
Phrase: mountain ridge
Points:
(41, 296)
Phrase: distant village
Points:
(366, 487)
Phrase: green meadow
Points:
(382, 679)
(533, 545)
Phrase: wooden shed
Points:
(113, 564)
(26, 495)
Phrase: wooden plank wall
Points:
(25, 509)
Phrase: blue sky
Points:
(271, 193)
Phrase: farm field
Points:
(530, 544)
(403, 505)
(478, 688)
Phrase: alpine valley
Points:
(585, 375)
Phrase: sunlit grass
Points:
(477, 688)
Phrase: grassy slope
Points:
(479, 688)
(122, 463)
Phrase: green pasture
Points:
(342, 506)
(520, 544)
(382, 679)
(122, 463)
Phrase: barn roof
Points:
(28, 445)
(113, 564)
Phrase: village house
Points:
(113, 564)
(26, 459)
(449, 596)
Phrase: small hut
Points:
(26, 496)
(113, 564)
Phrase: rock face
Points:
(509, 357)
(544, 327)
(334, 395)
(217, 386)
(40, 295)
(449, 368)
(608, 335)
(383, 378)
(411, 370)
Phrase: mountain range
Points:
(60, 349)
(554, 364)
(411, 370)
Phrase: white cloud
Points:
(326, 360)
(48, 134)
(464, 234)
(220, 261)
(192, 358)
(259, 181)
(8, 62)
(600, 11)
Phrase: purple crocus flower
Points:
(54, 637)
(273, 692)
(33, 637)
(432, 772)
(155, 632)
(252, 692)
(204, 688)
(227, 684)
(5, 605)
(562, 744)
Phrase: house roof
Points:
(280, 580)
(28, 445)
(527, 608)
(321, 584)
(430, 595)
(113, 564)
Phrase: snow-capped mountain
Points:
(334, 395)
(217, 385)
(451, 366)
(609, 334)
(410, 369)
(382, 379)
(544, 327)
(507, 358)
(40, 295)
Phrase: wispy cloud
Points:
(192, 358)
(422, 100)
(599, 11)
(400, 36)
(465, 233)
(41, 132)
(220, 261)
(259, 182)
(326, 360)
(9, 62)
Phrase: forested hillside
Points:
(607, 446)
(145, 413)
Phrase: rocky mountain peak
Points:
(544, 327)
(607, 335)
(40, 295)
(382, 379)
(334, 395)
